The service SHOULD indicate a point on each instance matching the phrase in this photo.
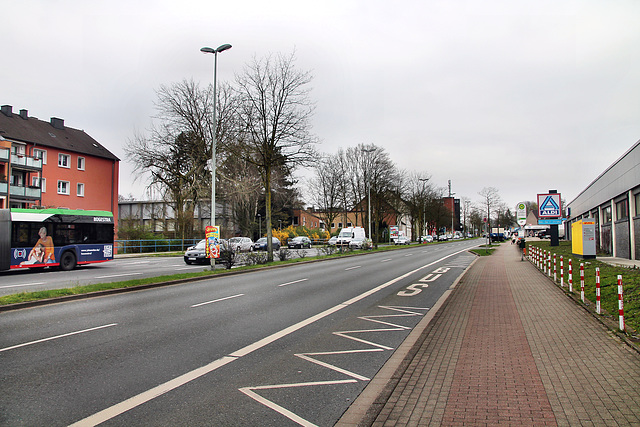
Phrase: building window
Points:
(333, 225)
(35, 181)
(43, 185)
(80, 163)
(80, 189)
(64, 160)
(637, 197)
(18, 149)
(606, 214)
(622, 209)
(63, 187)
(339, 225)
(40, 154)
(349, 224)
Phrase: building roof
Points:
(54, 134)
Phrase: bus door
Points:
(5, 239)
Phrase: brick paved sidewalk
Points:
(509, 348)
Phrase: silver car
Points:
(241, 244)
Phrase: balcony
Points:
(3, 188)
(27, 162)
(4, 154)
(25, 192)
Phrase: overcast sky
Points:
(520, 95)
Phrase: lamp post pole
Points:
(215, 52)
(424, 219)
(370, 150)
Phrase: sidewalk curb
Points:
(369, 403)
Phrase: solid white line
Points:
(352, 268)
(386, 260)
(18, 286)
(217, 300)
(408, 254)
(116, 275)
(56, 337)
(295, 281)
(148, 395)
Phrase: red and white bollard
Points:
(620, 304)
(582, 281)
(561, 271)
(598, 290)
(544, 261)
(570, 276)
(555, 269)
(549, 263)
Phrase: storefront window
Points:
(606, 214)
(622, 209)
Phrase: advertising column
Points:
(212, 249)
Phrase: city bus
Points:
(63, 238)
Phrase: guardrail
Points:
(147, 246)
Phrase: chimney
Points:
(7, 110)
(57, 123)
(24, 114)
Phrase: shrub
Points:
(228, 258)
(256, 258)
(284, 254)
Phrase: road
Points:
(121, 268)
(278, 347)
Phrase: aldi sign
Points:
(549, 205)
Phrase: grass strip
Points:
(608, 282)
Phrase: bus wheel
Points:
(67, 261)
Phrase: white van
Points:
(348, 233)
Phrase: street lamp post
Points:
(424, 215)
(370, 150)
(453, 207)
(215, 52)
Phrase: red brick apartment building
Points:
(50, 165)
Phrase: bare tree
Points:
(490, 200)
(174, 152)
(274, 111)
(385, 181)
(417, 193)
(325, 187)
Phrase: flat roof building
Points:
(613, 201)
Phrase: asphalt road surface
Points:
(121, 268)
(277, 347)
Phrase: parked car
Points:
(427, 239)
(261, 244)
(442, 237)
(348, 233)
(360, 243)
(241, 244)
(197, 254)
(332, 241)
(299, 242)
(403, 240)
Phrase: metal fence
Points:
(147, 246)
